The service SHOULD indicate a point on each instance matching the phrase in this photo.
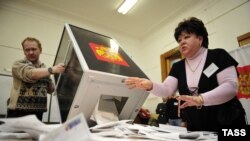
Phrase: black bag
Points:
(231, 113)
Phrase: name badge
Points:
(211, 69)
(176, 103)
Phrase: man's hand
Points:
(59, 68)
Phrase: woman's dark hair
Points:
(194, 26)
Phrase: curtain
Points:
(242, 55)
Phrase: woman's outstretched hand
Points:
(136, 82)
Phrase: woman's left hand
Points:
(190, 101)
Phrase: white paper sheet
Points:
(26, 124)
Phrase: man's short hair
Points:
(32, 39)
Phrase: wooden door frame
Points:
(166, 59)
(244, 39)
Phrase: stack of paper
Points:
(76, 129)
(123, 129)
(24, 127)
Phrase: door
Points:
(167, 59)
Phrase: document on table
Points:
(171, 128)
(122, 129)
(24, 127)
(75, 129)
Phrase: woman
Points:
(206, 80)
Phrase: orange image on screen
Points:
(104, 54)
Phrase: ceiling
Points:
(142, 19)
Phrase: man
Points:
(161, 110)
(31, 82)
(174, 117)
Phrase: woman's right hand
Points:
(136, 82)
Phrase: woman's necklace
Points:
(193, 70)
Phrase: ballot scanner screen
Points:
(103, 53)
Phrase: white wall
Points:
(5, 82)
(20, 19)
